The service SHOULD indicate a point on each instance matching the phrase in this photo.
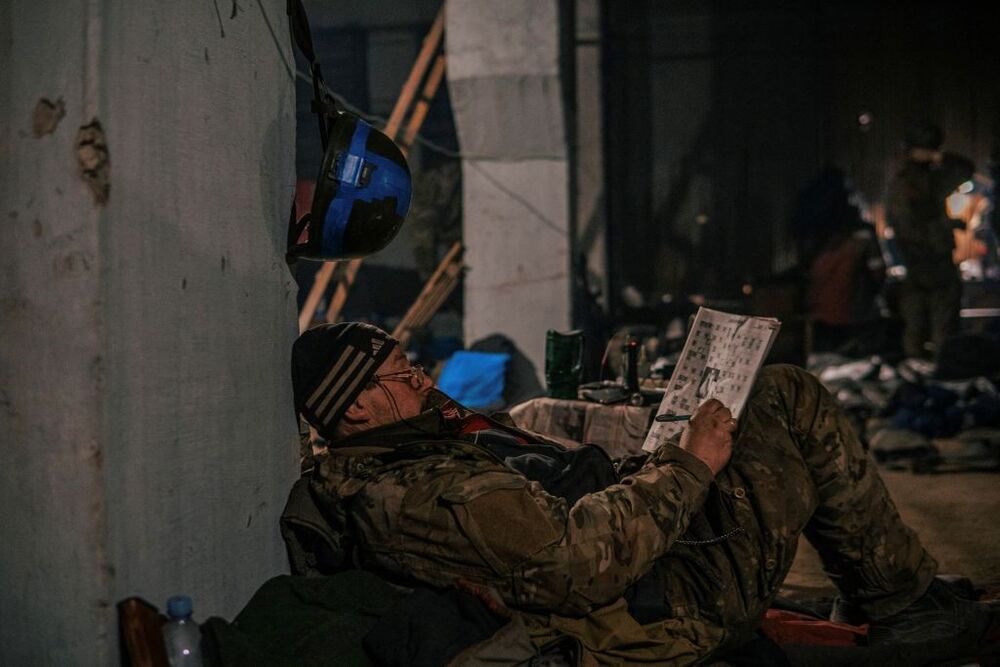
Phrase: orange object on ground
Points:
(789, 627)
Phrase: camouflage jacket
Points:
(419, 502)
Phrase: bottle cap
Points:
(178, 606)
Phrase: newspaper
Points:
(721, 358)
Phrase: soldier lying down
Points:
(667, 558)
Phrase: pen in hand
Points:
(672, 418)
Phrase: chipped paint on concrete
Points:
(94, 160)
(46, 116)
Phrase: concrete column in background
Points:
(507, 96)
(147, 439)
(591, 237)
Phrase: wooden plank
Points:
(320, 282)
(442, 266)
(339, 297)
(431, 42)
(416, 316)
(422, 309)
(444, 289)
(423, 105)
(433, 300)
(440, 295)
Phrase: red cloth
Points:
(476, 422)
(832, 283)
(788, 627)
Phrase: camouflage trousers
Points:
(929, 314)
(797, 468)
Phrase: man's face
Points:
(397, 391)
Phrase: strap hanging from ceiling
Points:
(323, 104)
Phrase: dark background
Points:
(726, 109)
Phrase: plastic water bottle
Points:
(181, 635)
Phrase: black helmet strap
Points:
(323, 105)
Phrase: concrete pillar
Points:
(591, 230)
(146, 432)
(504, 77)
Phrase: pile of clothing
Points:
(913, 420)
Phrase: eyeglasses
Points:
(414, 376)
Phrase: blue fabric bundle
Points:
(475, 379)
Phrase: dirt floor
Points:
(957, 516)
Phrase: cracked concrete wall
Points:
(504, 72)
(54, 604)
(146, 432)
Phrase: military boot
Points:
(941, 624)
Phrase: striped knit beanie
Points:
(331, 365)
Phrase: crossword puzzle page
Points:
(720, 359)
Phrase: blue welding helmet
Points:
(361, 198)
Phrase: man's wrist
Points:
(670, 453)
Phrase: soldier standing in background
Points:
(932, 291)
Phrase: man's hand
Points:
(709, 435)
